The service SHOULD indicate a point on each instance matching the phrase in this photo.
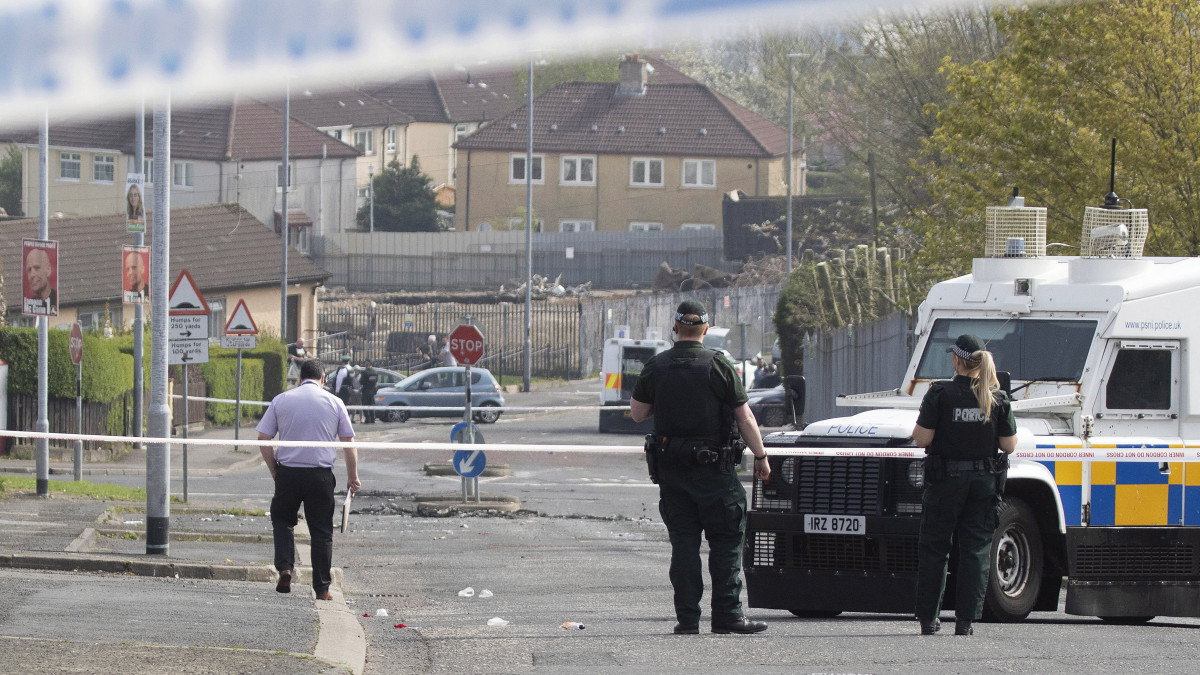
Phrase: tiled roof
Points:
(341, 105)
(222, 246)
(242, 128)
(669, 119)
(258, 134)
(462, 94)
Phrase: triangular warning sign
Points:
(241, 323)
(185, 297)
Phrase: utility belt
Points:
(938, 468)
(663, 451)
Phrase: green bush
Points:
(272, 355)
(220, 374)
(107, 373)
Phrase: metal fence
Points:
(854, 359)
(567, 334)
(60, 413)
(390, 261)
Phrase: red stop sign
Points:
(466, 344)
(76, 343)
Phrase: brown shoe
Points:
(325, 595)
(285, 582)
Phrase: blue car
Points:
(442, 387)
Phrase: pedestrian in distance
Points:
(967, 428)
(444, 356)
(296, 354)
(699, 405)
(370, 382)
(341, 380)
(304, 475)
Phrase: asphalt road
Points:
(588, 546)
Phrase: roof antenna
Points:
(1111, 199)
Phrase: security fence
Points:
(855, 359)
(416, 261)
(566, 334)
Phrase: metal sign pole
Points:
(79, 419)
(237, 408)
(186, 419)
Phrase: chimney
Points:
(632, 81)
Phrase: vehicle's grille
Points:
(838, 485)
(1109, 561)
(834, 552)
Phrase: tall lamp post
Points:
(790, 170)
(371, 193)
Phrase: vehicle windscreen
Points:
(1029, 349)
(714, 341)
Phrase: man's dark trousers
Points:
(712, 500)
(312, 487)
(961, 506)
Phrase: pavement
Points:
(79, 593)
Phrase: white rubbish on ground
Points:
(497, 621)
(381, 612)
(466, 592)
(485, 593)
(572, 625)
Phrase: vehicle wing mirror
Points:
(1005, 379)
(793, 388)
(424, 385)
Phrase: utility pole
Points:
(139, 324)
(286, 180)
(371, 193)
(42, 445)
(158, 453)
(529, 240)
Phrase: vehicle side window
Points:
(1140, 380)
(476, 377)
(416, 385)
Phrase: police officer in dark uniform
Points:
(962, 424)
(697, 401)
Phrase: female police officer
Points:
(962, 423)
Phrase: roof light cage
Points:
(1015, 230)
(1114, 233)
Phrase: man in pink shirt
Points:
(304, 475)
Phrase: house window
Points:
(516, 172)
(147, 170)
(68, 166)
(92, 318)
(645, 227)
(391, 139)
(300, 238)
(183, 174)
(460, 132)
(699, 173)
(578, 170)
(365, 141)
(576, 226)
(646, 172)
(279, 176)
(216, 317)
(518, 224)
(103, 168)
(706, 227)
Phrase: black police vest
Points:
(961, 433)
(685, 405)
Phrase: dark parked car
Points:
(774, 408)
(443, 387)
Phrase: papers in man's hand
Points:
(346, 511)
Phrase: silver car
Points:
(442, 387)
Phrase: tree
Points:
(553, 72)
(10, 181)
(1040, 116)
(403, 201)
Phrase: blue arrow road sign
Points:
(469, 463)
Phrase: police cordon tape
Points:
(1188, 453)
(444, 408)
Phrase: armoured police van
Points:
(1100, 494)
(621, 362)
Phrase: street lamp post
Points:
(791, 151)
(371, 193)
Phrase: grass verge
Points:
(76, 487)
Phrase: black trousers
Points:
(312, 487)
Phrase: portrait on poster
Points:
(135, 275)
(39, 278)
(135, 207)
